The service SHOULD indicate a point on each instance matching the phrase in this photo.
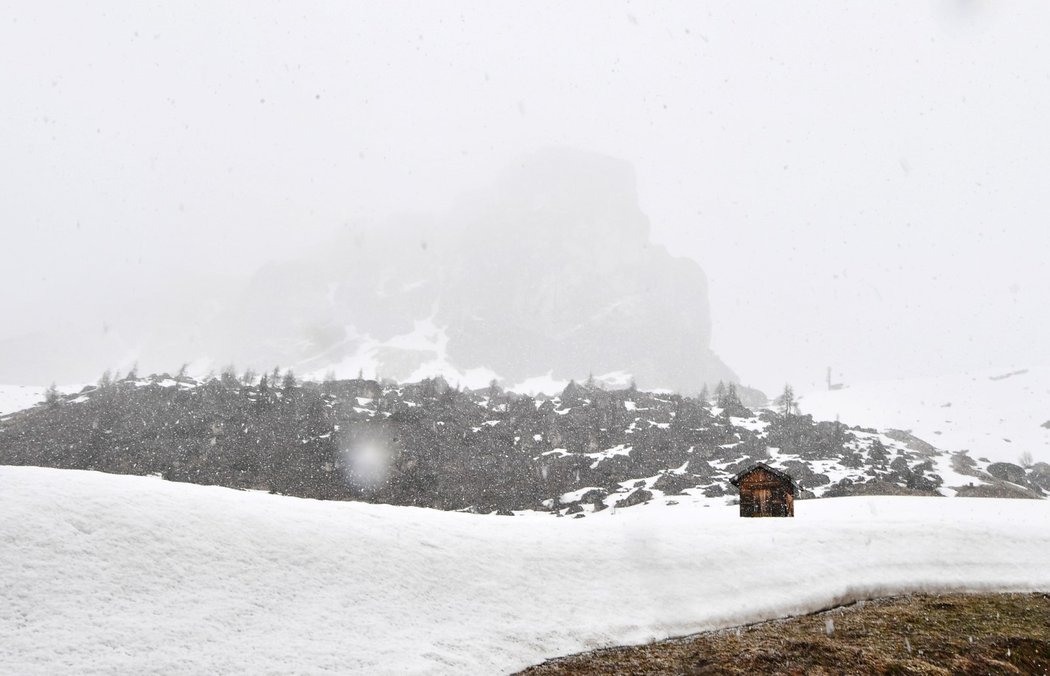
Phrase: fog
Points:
(863, 185)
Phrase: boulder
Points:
(594, 495)
(1039, 475)
(673, 484)
(1007, 471)
(637, 497)
(714, 491)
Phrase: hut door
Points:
(762, 501)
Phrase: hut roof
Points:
(761, 465)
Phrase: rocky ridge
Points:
(429, 444)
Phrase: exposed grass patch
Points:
(918, 634)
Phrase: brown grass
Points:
(919, 634)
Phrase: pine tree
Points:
(786, 402)
(729, 402)
(289, 380)
(52, 397)
(228, 377)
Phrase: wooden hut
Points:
(765, 491)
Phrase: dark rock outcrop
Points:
(1007, 471)
(637, 497)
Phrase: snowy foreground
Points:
(108, 574)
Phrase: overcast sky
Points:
(865, 184)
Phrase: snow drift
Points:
(106, 573)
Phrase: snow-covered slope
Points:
(19, 397)
(118, 574)
(995, 414)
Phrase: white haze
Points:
(863, 183)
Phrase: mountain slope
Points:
(427, 444)
(549, 269)
(999, 415)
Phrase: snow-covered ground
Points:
(18, 397)
(993, 414)
(120, 574)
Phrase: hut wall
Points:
(764, 494)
